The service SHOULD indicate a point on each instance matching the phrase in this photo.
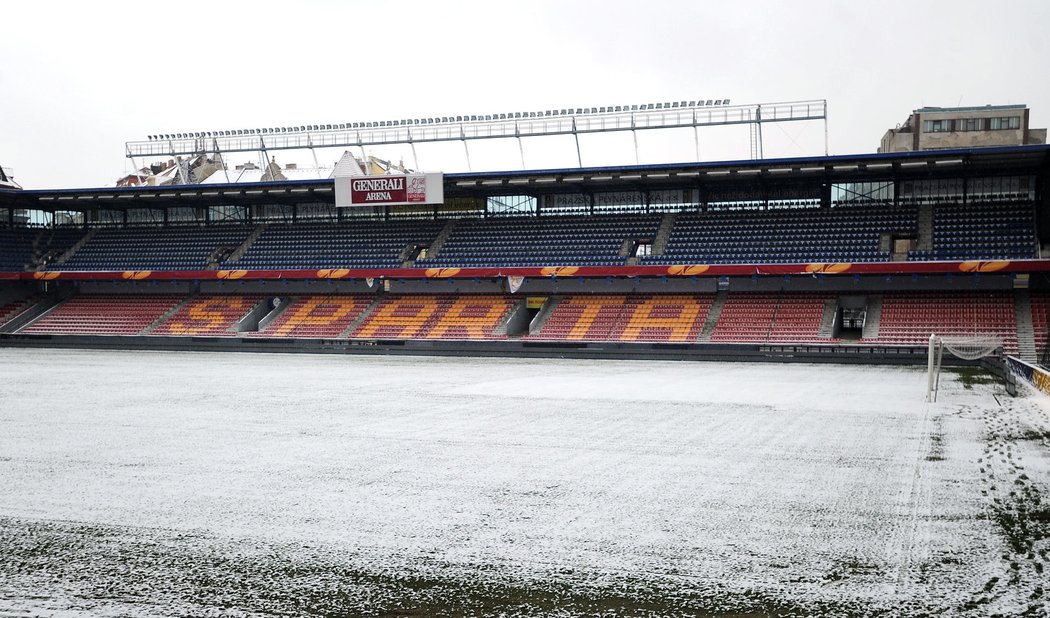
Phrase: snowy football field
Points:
(158, 484)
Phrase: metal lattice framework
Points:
(575, 122)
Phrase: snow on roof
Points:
(348, 165)
(308, 173)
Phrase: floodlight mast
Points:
(572, 121)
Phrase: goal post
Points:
(966, 348)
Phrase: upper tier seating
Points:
(774, 317)
(209, 315)
(542, 241)
(650, 318)
(810, 235)
(1003, 230)
(981, 231)
(910, 318)
(355, 244)
(55, 242)
(467, 316)
(317, 317)
(103, 314)
(168, 248)
(16, 248)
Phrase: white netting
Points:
(973, 347)
(967, 348)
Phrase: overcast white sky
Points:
(78, 79)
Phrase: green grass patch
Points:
(969, 376)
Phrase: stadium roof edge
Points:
(1037, 153)
(779, 162)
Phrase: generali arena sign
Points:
(390, 190)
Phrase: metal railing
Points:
(426, 130)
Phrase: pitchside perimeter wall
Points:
(843, 284)
(1038, 377)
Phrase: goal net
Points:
(966, 348)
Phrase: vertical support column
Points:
(221, 159)
(933, 367)
(825, 128)
(758, 127)
(931, 394)
(937, 374)
(576, 136)
(313, 151)
(466, 149)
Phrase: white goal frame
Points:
(967, 348)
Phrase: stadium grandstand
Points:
(837, 257)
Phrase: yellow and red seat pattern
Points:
(211, 315)
(103, 314)
(320, 317)
(627, 318)
(436, 317)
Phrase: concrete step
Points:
(872, 317)
(1025, 331)
(827, 320)
(713, 315)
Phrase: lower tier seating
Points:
(12, 309)
(781, 318)
(103, 314)
(317, 317)
(436, 317)
(209, 315)
(1040, 320)
(626, 318)
(906, 318)
(910, 318)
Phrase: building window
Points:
(1007, 122)
(971, 124)
(937, 126)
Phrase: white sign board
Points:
(390, 190)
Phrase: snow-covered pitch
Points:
(158, 484)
